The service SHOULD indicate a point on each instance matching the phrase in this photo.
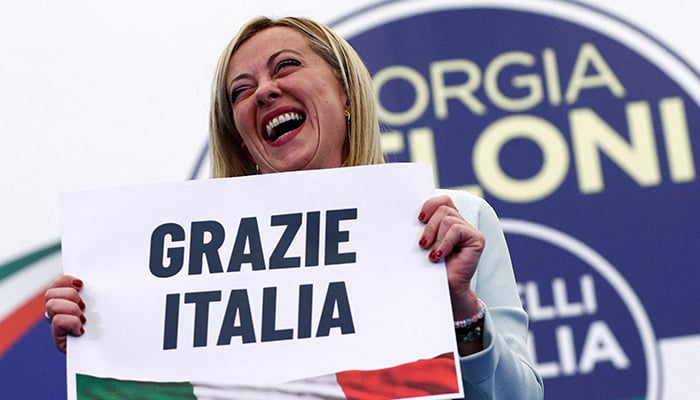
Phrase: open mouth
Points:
(283, 124)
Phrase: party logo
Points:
(575, 120)
(586, 321)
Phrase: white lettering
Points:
(561, 306)
(591, 135)
(551, 75)
(677, 140)
(463, 92)
(555, 154)
(567, 351)
(566, 308)
(530, 296)
(531, 82)
(588, 56)
(601, 346)
(420, 87)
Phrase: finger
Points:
(444, 238)
(457, 236)
(63, 300)
(65, 286)
(437, 224)
(62, 306)
(66, 281)
(64, 293)
(63, 325)
(432, 204)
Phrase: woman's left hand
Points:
(450, 237)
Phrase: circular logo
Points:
(573, 118)
(585, 319)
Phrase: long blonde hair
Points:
(225, 142)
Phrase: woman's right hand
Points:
(64, 309)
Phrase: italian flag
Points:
(22, 285)
(430, 377)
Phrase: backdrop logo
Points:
(489, 87)
(585, 320)
(564, 115)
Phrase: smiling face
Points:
(287, 103)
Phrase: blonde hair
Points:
(227, 157)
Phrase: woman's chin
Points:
(295, 164)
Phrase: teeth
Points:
(280, 119)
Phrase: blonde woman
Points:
(289, 94)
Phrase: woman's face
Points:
(287, 103)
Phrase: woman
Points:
(289, 94)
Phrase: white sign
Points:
(260, 281)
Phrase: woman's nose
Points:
(267, 92)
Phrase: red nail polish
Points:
(422, 241)
(82, 318)
(77, 283)
(438, 254)
(81, 305)
(421, 216)
(432, 254)
(82, 331)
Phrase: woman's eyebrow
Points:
(276, 54)
(270, 62)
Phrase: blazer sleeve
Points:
(503, 369)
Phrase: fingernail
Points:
(81, 305)
(77, 283)
(422, 241)
(82, 318)
(82, 330)
(421, 216)
(432, 254)
(438, 254)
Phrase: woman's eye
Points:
(287, 62)
(235, 94)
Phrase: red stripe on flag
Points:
(419, 378)
(20, 321)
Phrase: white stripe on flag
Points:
(20, 287)
(324, 387)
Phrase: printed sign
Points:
(260, 283)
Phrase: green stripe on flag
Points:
(93, 388)
(23, 262)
